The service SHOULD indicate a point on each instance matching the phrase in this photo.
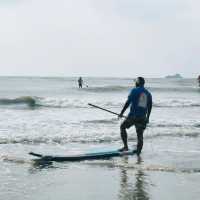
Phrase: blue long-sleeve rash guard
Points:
(140, 100)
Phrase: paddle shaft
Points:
(105, 109)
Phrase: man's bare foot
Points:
(123, 149)
(136, 152)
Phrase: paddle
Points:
(35, 154)
(105, 109)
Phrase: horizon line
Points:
(86, 76)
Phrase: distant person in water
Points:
(80, 82)
(140, 101)
(198, 79)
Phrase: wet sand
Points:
(155, 175)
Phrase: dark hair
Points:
(140, 81)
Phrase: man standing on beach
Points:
(140, 100)
(80, 82)
(198, 79)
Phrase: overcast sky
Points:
(120, 38)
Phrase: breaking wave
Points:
(54, 102)
(43, 102)
(28, 100)
(78, 103)
(67, 102)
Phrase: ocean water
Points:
(51, 115)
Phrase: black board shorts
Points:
(140, 123)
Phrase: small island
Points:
(174, 76)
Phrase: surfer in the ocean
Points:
(80, 82)
(198, 79)
(140, 100)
